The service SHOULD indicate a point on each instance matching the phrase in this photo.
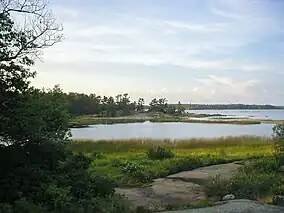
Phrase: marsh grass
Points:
(89, 120)
(126, 161)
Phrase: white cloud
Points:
(212, 43)
(132, 39)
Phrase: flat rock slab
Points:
(236, 206)
(201, 175)
(164, 192)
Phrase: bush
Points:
(185, 164)
(159, 153)
(136, 171)
(265, 165)
(97, 155)
(253, 185)
(217, 187)
(278, 137)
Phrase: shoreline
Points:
(86, 121)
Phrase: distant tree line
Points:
(229, 106)
(120, 105)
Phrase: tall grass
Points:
(83, 121)
(145, 144)
(127, 163)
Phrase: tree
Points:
(180, 108)
(19, 46)
(46, 176)
(159, 105)
(140, 104)
(278, 137)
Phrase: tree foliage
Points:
(278, 136)
(38, 173)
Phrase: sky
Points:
(198, 51)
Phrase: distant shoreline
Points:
(85, 121)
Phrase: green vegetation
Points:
(119, 156)
(84, 121)
(184, 120)
(120, 105)
(258, 179)
(159, 153)
(38, 171)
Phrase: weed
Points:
(159, 153)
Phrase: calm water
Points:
(183, 130)
(254, 114)
(169, 131)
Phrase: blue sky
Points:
(202, 51)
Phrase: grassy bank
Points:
(126, 161)
(184, 120)
(84, 121)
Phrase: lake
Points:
(253, 114)
(183, 130)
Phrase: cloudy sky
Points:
(201, 51)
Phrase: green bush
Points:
(136, 171)
(159, 153)
(217, 187)
(97, 155)
(253, 185)
(278, 137)
(185, 164)
(265, 165)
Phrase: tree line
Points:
(120, 105)
(230, 106)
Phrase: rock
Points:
(278, 200)
(201, 175)
(236, 206)
(164, 192)
(229, 197)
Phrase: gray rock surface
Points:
(164, 192)
(236, 206)
(201, 175)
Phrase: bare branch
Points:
(39, 26)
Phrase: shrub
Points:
(136, 171)
(278, 137)
(265, 165)
(185, 164)
(97, 155)
(159, 153)
(217, 186)
(116, 162)
(253, 185)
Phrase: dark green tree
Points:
(37, 172)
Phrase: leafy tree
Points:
(140, 104)
(159, 105)
(37, 171)
(180, 108)
(278, 136)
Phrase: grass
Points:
(87, 120)
(84, 121)
(126, 161)
(230, 121)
